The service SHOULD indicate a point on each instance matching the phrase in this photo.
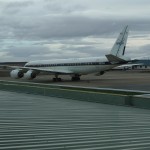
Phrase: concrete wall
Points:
(98, 96)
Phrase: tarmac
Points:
(128, 80)
(47, 123)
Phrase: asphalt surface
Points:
(130, 80)
(47, 123)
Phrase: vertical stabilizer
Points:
(118, 48)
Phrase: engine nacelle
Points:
(16, 74)
(30, 74)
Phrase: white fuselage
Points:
(74, 66)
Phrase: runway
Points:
(128, 80)
(39, 122)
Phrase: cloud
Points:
(70, 27)
(15, 7)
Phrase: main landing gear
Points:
(57, 79)
(76, 78)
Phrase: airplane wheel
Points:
(57, 79)
(72, 78)
(54, 79)
(78, 78)
(75, 78)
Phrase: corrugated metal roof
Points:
(43, 123)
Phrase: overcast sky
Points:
(49, 29)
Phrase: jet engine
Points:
(16, 74)
(30, 74)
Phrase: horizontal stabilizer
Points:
(114, 59)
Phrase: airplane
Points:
(76, 67)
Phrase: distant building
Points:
(138, 64)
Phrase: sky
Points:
(53, 29)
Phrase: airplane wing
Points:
(48, 70)
(59, 71)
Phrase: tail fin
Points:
(118, 49)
